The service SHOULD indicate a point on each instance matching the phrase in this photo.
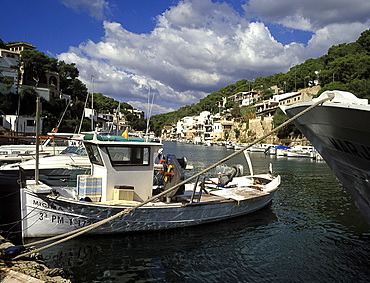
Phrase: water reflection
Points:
(311, 232)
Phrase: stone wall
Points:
(261, 127)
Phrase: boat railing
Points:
(201, 189)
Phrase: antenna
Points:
(149, 113)
(92, 102)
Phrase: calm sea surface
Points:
(311, 233)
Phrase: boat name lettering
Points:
(58, 219)
(43, 215)
(46, 205)
(358, 150)
(40, 203)
(79, 222)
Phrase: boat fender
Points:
(168, 173)
(13, 251)
(87, 199)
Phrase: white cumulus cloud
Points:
(198, 47)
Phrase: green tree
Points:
(35, 65)
(235, 110)
(2, 44)
(364, 41)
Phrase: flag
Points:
(125, 134)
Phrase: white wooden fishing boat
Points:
(122, 178)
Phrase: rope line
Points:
(83, 230)
(8, 195)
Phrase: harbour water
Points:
(312, 232)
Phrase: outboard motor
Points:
(226, 174)
(173, 174)
(183, 162)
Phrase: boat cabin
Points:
(120, 168)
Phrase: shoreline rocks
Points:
(28, 269)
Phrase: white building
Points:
(8, 70)
(25, 124)
(138, 113)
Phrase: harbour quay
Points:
(30, 268)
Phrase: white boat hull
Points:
(299, 154)
(45, 215)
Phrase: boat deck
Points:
(236, 194)
(204, 198)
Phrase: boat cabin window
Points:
(130, 155)
(93, 153)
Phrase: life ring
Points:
(164, 166)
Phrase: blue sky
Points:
(181, 50)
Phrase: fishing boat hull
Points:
(340, 132)
(45, 215)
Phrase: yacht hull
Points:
(340, 132)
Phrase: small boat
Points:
(261, 147)
(229, 145)
(281, 150)
(278, 150)
(20, 153)
(238, 146)
(122, 178)
(54, 170)
(339, 130)
(301, 151)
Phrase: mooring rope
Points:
(80, 231)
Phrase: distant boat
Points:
(340, 131)
(301, 151)
(238, 146)
(229, 145)
(261, 147)
(54, 170)
(122, 179)
(20, 153)
(278, 150)
(208, 143)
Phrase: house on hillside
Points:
(26, 125)
(13, 77)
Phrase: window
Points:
(30, 123)
(93, 153)
(135, 155)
